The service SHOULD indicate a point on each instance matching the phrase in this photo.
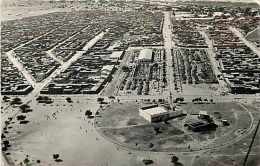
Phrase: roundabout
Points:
(121, 124)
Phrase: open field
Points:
(121, 123)
(254, 35)
(63, 128)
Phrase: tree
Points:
(125, 69)
(6, 98)
(68, 99)
(111, 97)
(56, 156)
(26, 161)
(16, 100)
(24, 107)
(100, 99)
(88, 113)
(21, 117)
(147, 161)
(174, 159)
(39, 98)
(179, 99)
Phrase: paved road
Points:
(245, 41)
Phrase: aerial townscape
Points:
(130, 83)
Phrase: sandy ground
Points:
(254, 35)
(63, 128)
(14, 13)
(71, 135)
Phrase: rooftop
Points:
(155, 111)
(116, 54)
(145, 54)
(108, 67)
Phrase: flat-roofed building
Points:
(154, 114)
(197, 125)
(106, 71)
(203, 115)
(145, 55)
(117, 55)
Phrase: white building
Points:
(154, 114)
(145, 55)
(106, 71)
(203, 115)
(117, 55)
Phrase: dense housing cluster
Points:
(222, 37)
(16, 32)
(42, 43)
(37, 63)
(186, 34)
(237, 62)
(246, 24)
(12, 81)
(86, 75)
(94, 69)
(240, 68)
(133, 28)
